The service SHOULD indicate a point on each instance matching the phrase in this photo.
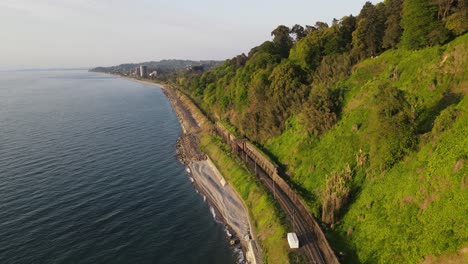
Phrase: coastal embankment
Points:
(227, 204)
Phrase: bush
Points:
(391, 128)
(444, 120)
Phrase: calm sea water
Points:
(88, 174)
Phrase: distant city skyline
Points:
(87, 33)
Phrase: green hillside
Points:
(368, 118)
(402, 206)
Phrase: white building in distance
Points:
(143, 71)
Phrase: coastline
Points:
(225, 202)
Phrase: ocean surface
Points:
(88, 174)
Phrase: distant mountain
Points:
(163, 66)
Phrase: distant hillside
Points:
(164, 66)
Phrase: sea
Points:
(89, 174)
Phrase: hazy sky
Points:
(85, 33)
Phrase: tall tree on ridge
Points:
(298, 31)
(282, 40)
(420, 25)
(367, 38)
(393, 30)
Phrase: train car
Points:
(293, 240)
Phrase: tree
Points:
(332, 69)
(335, 21)
(391, 127)
(367, 38)
(252, 121)
(239, 60)
(454, 14)
(282, 39)
(307, 52)
(298, 31)
(318, 113)
(309, 29)
(321, 25)
(285, 95)
(393, 30)
(420, 25)
(347, 26)
(446, 8)
(338, 38)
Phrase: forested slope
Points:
(368, 117)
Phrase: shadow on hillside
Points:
(342, 246)
(300, 190)
(427, 122)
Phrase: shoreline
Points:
(208, 180)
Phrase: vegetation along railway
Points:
(313, 243)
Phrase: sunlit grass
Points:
(263, 212)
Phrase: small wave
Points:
(213, 212)
(227, 232)
(236, 248)
(240, 258)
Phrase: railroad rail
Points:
(314, 243)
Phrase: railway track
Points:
(315, 246)
(305, 233)
(303, 223)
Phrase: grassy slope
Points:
(266, 219)
(415, 208)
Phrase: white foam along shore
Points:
(226, 202)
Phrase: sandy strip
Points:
(225, 201)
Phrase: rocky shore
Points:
(187, 149)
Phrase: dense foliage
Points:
(368, 117)
(288, 75)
